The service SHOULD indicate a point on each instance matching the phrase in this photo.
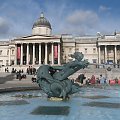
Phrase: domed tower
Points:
(42, 26)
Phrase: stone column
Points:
(21, 56)
(27, 54)
(15, 59)
(33, 53)
(46, 53)
(9, 57)
(115, 59)
(52, 51)
(40, 53)
(105, 54)
(58, 53)
(99, 55)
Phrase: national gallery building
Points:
(42, 47)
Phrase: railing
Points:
(104, 66)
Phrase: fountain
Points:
(54, 80)
(89, 103)
(86, 103)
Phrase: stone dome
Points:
(42, 22)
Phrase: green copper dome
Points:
(42, 22)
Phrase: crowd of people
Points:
(31, 70)
(81, 79)
(93, 80)
(20, 74)
(6, 70)
(96, 80)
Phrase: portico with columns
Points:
(38, 52)
(42, 47)
(108, 52)
(39, 48)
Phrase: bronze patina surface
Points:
(54, 81)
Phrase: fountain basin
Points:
(90, 103)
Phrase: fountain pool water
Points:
(89, 104)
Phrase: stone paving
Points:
(8, 80)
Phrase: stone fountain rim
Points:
(17, 89)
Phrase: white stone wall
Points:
(69, 46)
(86, 45)
(67, 52)
(89, 50)
(4, 54)
(68, 49)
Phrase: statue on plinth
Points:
(54, 81)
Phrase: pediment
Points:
(36, 37)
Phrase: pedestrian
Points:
(92, 80)
(88, 81)
(80, 78)
(19, 76)
(5, 70)
(97, 80)
(102, 79)
(116, 80)
(31, 70)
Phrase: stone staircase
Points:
(115, 72)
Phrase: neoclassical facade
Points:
(37, 49)
(109, 49)
(42, 47)
(97, 49)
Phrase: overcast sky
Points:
(77, 17)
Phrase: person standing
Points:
(102, 79)
(81, 77)
(19, 76)
(92, 80)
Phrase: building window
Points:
(0, 52)
(1, 62)
(7, 62)
(110, 51)
(94, 60)
(102, 52)
(94, 50)
(7, 52)
(46, 31)
(12, 62)
(85, 50)
(70, 49)
(102, 61)
(77, 49)
(110, 61)
(12, 52)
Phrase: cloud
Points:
(82, 21)
(83, 17)
(104, 8)
(64, 16)
(55, 14)
(20, 17)
(4, 26)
